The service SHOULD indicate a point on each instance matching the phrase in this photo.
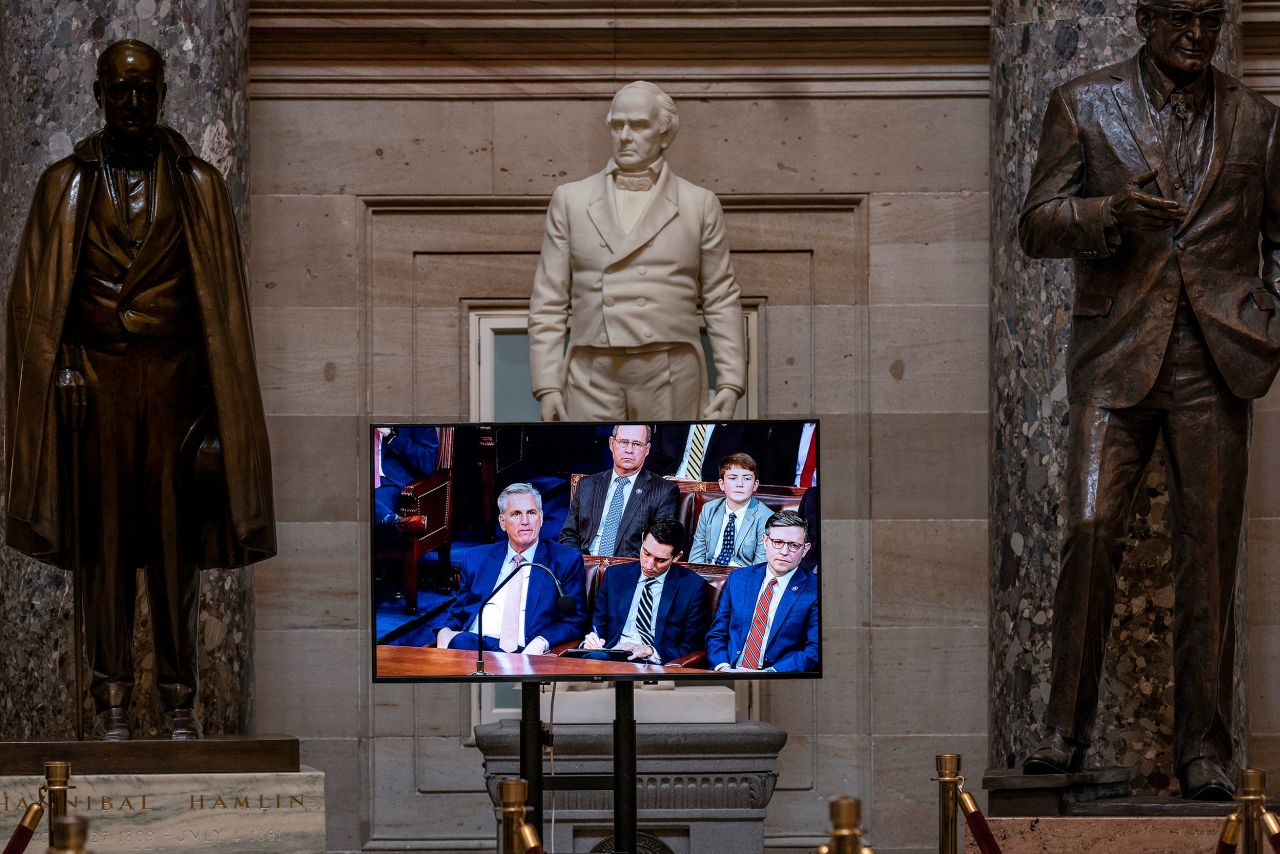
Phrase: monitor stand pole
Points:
(533, 737)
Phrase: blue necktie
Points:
(609, 534)
(726, 547)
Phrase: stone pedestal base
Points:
(700, 787)
(264, 813)
(1102, 835)
(1012, 793)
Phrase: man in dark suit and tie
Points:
(401, 456)
(610, 510)
(768, 613)
(524, 616)
(654, 610)
(694, 452)
(1160, 175)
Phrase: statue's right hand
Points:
(73, 397)
(551, 407)
(1142, 211)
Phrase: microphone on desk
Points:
(565, 604)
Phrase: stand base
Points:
(1102, 835)
(210, 755)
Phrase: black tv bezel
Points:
(698, 675)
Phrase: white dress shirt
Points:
(608, 502)
(688, 446)
(631, 634)
(494, 608)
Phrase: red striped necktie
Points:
(755, 640)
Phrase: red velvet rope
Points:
(1225, 847)
(977, 823)
(19, 841)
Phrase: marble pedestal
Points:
(700, 787)
(1102, 835)
(265, 813)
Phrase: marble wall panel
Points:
(1264, 483)
(392, 709)
(928, 358)
(789, 343)
(442, 711)
(787, 277)
(315, 467)
(1264, 676)
(844, 701)
(928, 680)
(340, 759)
(307, 682)
(311, 583)
(929, 248)
(308, 251)
(928, 465)
(929, 572)
(400, 812)
(840, 359)
(845, 437)
(1264, 572)
(307, 359)
(846, 572)
(371, 147)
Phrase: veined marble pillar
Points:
(1035, 46)
(48, 52)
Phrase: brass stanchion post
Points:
(512, 794)
(57, 777)
(1252, 800)
(949, 779)
(846, 835)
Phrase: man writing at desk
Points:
(768, 613)
(524, 615)
(652, 611)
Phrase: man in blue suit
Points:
(525, 615)
(768, 613)
(729, 528)
(401, 456)
(654, 610)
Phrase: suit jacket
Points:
(1098, 136)
(409, 455)
(792, 645)
(637, 288)
(747, 545)
(242, 528)
(681, 618)
(772, 446)
(651, 497)
(480, 568)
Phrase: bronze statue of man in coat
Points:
(1160, 176)
(135, 428)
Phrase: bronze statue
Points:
(1160, 175)
(630, 255)
(136, 435)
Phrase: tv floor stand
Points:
(533, 737)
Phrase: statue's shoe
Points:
(186, 726)
(114, 724)
(1055, 755)
(1204, 780)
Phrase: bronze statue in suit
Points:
(129, 358)
(631, 254)
(1160, 176)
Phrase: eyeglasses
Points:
(632, 444)
(784, 545)
(1183, 18)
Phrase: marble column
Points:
(48, 52)
(1035, 46)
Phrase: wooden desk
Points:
(455, 663)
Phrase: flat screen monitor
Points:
(597, 552)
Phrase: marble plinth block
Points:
(1102, 835)
(699, 787)
(242, 813)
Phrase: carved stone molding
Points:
(443, 48)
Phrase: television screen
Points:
(569, 551)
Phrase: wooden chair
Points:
(427, 509)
